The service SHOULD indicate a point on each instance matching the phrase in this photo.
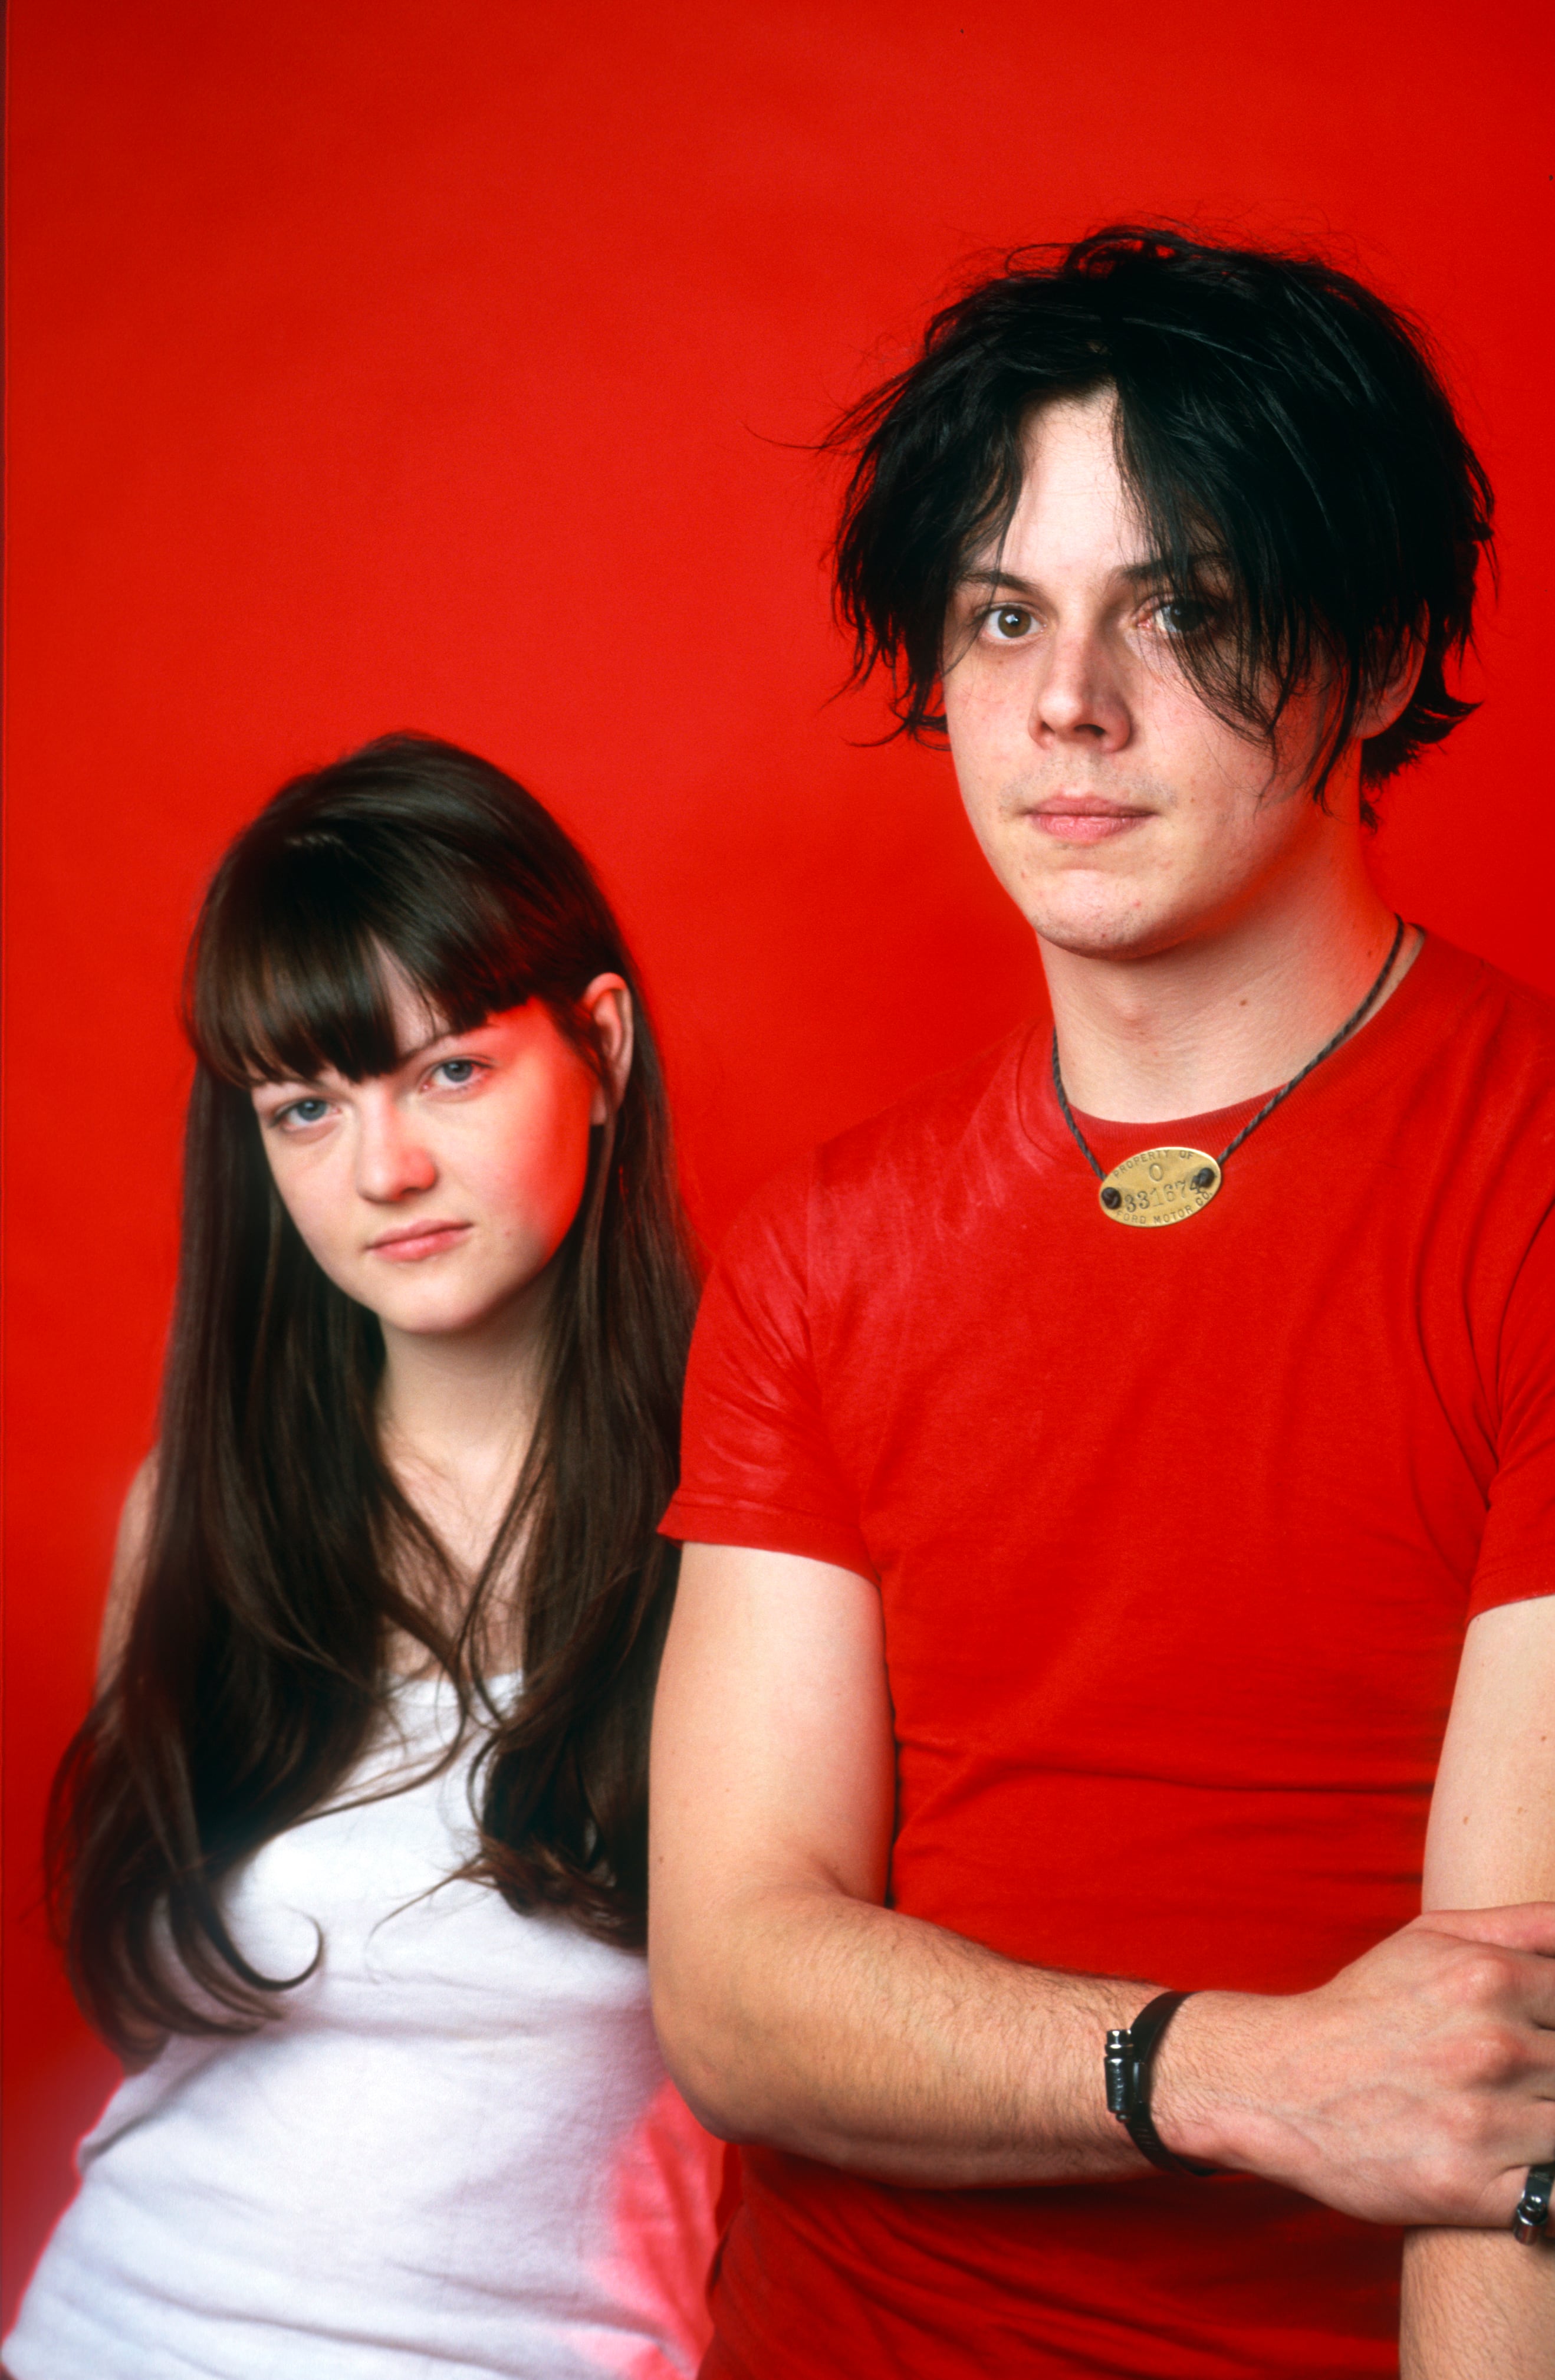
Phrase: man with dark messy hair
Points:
(1275, 424)
(1119, 1481)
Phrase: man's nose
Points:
(1078, 697)
(392, 1158)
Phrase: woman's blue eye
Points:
(457, 1070)
(305, 1111)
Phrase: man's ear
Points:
(1391, 699)
(609, 1003)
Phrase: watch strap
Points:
(1130, 2059)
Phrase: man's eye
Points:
(1185, 615)
(1010, 623)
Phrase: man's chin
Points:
(1100, 932)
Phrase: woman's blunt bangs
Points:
(1297, 465)
(409, 859)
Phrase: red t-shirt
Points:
(1177, 1532)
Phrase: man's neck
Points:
(1219, 1018)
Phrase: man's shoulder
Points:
(1458, 1092)
(1474, 976)
(904, 1150)
(892, 1164)
(1507, 1025)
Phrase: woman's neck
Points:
(456, 1417)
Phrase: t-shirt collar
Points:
(1374, 1046)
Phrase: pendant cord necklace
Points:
(1151, 1188)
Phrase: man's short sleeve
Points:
(1518, 1553)
(756, 1466)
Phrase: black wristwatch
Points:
(1131, 2050)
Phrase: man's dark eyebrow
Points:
(1153, 570)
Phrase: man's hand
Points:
(1416, 2087)
(795, 2009)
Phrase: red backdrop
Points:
(378, 363)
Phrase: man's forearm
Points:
(1481, 2306)
(1477, 2305)
(1407, 2090)
(1415, 2087)
(888, 2046)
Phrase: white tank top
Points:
(454, 2152)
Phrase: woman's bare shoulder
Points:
(128, 1570)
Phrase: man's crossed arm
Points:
(1478, 2306)
(1416, 2087)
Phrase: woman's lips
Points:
(418, 1240)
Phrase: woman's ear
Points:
(609, 1003)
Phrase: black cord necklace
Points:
(1167, 1186)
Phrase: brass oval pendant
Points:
(1159, 1185)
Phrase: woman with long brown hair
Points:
(349, 1855)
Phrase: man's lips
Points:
(409, 1243)
(1084, 818)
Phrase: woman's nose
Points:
(392, 1161)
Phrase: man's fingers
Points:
(1515, 1972)
(1525, 1925)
